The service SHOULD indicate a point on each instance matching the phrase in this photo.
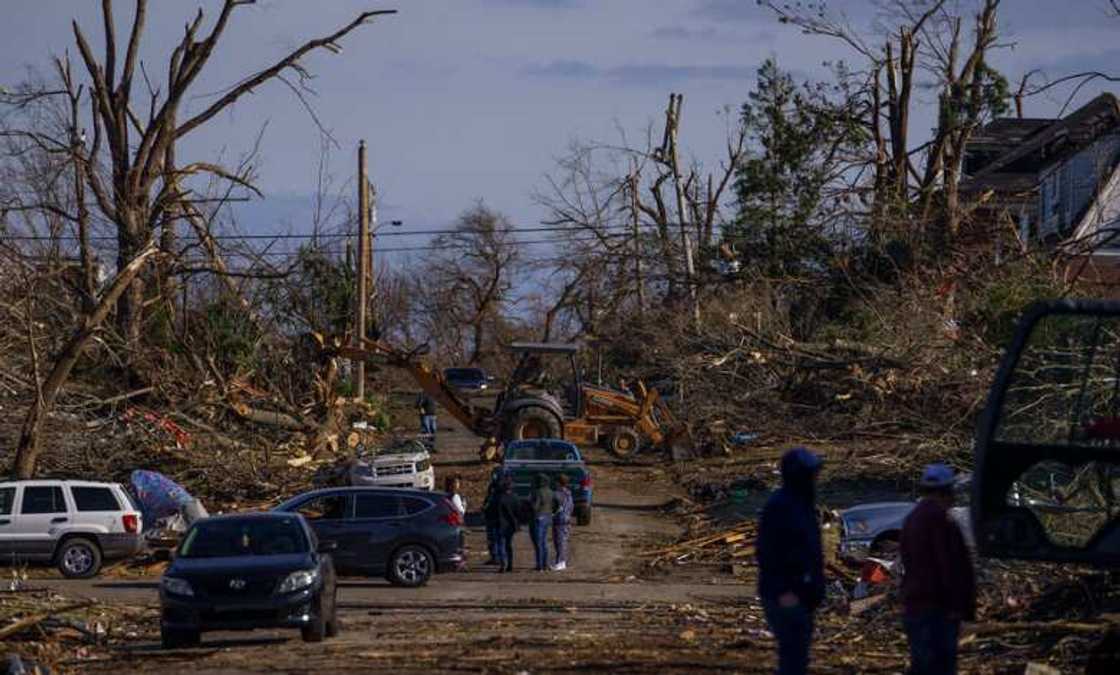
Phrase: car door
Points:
(380, 519)
(329, 517)
(42, 511)
(8, 495)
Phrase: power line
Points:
(405, 249)
(332, 235)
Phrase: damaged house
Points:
(1053, 183)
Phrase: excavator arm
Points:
(479, 420)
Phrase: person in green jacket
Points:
(543, 502)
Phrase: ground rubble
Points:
(1051, 616)
(42, 628)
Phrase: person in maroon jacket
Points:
(938, 583)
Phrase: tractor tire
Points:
(623, 442)
(533, 422)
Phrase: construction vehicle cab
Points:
(1047, 478)
(542, 393)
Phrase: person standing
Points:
(426, 406)
(508, 507)
(938, 588)
(562, 522)
(490, 513)
(452, 486)
(790, 560)
(543, 504)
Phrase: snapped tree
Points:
(132, 173)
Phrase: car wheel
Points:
(332, 620)
(79, 558)
(176, 639)
(410, 566)
(583, 514)
(317, 629)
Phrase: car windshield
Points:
(247, 536)
(542, 452)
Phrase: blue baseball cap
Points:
(804, 458)
(937, 476)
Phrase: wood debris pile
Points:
(42, 627)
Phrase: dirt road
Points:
(606, 612)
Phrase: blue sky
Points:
(462, 100)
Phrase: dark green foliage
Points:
(320, 296)
(232, 337)
(958, 105)
(797, 137)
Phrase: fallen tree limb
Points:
(35, 619)
(27, 450)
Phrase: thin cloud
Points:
(710, 34)
(657, 74)
(682, 33)
(543, 4)
(563, 70)
(731, 10)
(650, 74)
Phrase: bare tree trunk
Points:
(27, 451)
(635, 212)
(672, 122)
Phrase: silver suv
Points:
(74, 524)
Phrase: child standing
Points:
(562, 523)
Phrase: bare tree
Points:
(469, 283)
(927, 39)
(640, 213)
(143, 190)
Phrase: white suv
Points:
(75, 524)
(407, 469)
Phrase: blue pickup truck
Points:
(523, 460)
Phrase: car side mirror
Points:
(328, 546)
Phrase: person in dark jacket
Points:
(938, 584)
(490, 513)
(426, 406)
(508, 507)
(790, 560)
(543, 502)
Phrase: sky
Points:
(461, 100)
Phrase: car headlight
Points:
(423, 465)
(297, 581)
(176, 586)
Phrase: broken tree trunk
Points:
(272, 418)
(27, 451)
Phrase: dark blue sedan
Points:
(246, 571)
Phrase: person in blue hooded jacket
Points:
(790, 560)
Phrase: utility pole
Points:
(371, 273)
(359, 368)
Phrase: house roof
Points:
(1057, 140)
(1009, 132)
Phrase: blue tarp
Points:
(159, 496)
